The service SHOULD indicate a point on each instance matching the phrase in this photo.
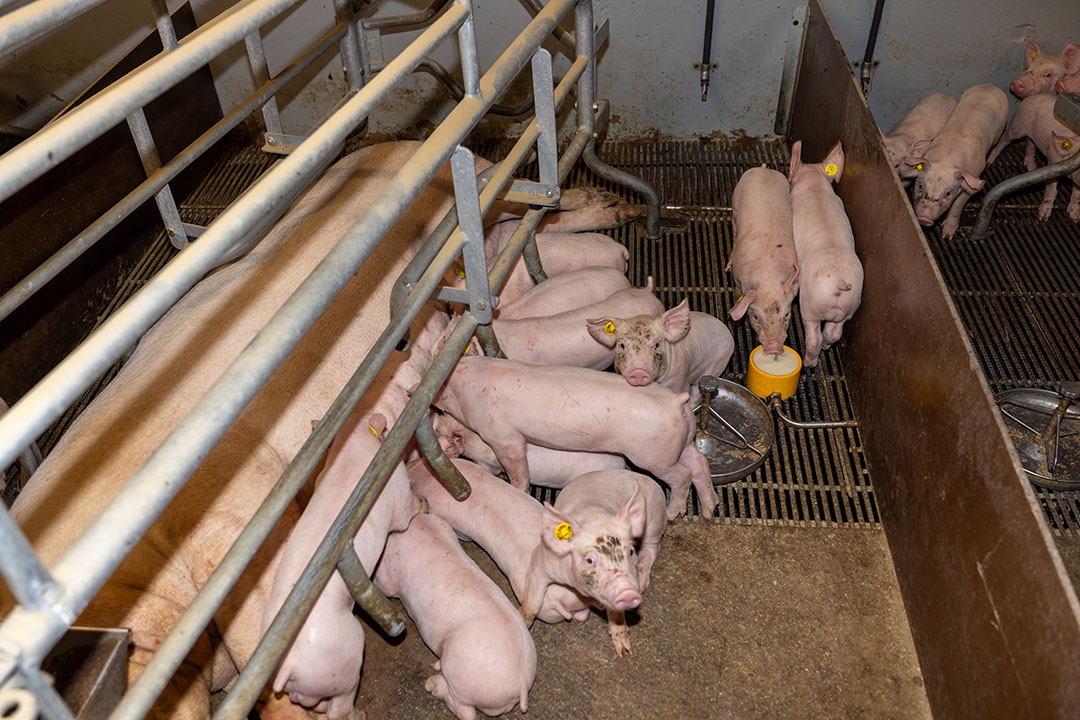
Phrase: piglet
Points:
(505, 522)
(567, 291)
(832, 276)
(922, 122)
(673, 349)
(1044, 71)
(547, 467)
(564, 339)
(563, 252)
(512, 403)
(588, 542)
(487, 659)
(322, 668)
(763, 261)
(947, 168)
(1035, 120)
(1069, 84)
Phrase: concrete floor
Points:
(739, 622)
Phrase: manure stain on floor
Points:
(739, 622)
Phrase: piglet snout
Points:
(774, 349)
(925, 220)
(627, 600)
(638, 377)
(1018, 86)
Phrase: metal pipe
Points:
(652, 199)
(59, 140)
(871, 42)
(29, 582)
(486, 335)
(275, 190)
(706, 49)
(1044, 174)
(534, 7)
(350, 44)
(151, 162)
(26, 24)
(774, 402)
(367, 596)
(256, 53)
(164, 23)
(63, 257)
(451, 478)
(470, 61)
(394, 21)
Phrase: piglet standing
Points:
(947, 168)
(832, 276)
(322, 668)
(1035, 120)
(487, 659)
(763, 261)
(922, 122)
(1044, 71)
(588, 542)
(673, 349)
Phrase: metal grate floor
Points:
(1018, 294)
(812, 477)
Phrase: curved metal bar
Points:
(394, 21)
(774, 402)
(487, 338)
(1018, 182)
(531, 254)
(367, 596)
(652, 199)
(451, 478)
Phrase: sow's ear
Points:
(676, 322)
(556, 530)
(604, 330)
(974, 184)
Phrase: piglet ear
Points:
(796, 161)
(633, 513)
(792, 283)
(834, 163)
(1070, 58)
(604, 330)
(1033, 51)
(676, 322)
(918, 149)
(740, 307)
(973, 183)
(557, 530)
(377, 422)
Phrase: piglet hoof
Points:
(1074, 212)
(621, 638)
(1045, 210)
(675, 508)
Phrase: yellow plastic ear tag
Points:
(1065, 144)
(373, 431)
(610, 328)
(919, 166)
(563, 532)
(830, 169)
(1034, 55)
(460, 273)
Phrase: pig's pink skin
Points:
(1069, 83)
(322, 668)
(547, 467)
(511, 404)
(563, 252)
(487, 659)
(1044, 71)
(1035, 120)
(505, 522)
(952, 162)
(673, 349)
(922, 122)
(832, 276)
(588, 542)
(564, 339)
(763, 262)
(586, 208)
(176, 361)
(567, 291)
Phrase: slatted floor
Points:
(1018, 294)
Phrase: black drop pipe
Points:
(868, 57)
(706, 50)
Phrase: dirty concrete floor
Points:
(739, 622)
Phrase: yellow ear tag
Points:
(1034, 55)
(919, 166)
(563, 532)
(460, 273)
(830, 169)
(609, 328)
(1065, 144)
(373, 431)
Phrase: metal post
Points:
(261, 72)
(470, 63)
(164, 25)
(350, 45)
(151, 162)
(470, 222)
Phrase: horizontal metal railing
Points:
(51, 599)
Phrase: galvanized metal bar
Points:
(29, 582)
(50, 704)
(26, 24)
(59, 140)
(470, 61)
(792, 63)
(561, 35)
(451, 478)
(256, 53)
(164, 23)
(63, 257)
(471, 226)
(350, 44)
(547, 149)
(531, 255)
(1044, 174)
(486, 335)
(367, 596)
(276, 189)
(393, 21)
(151, 162)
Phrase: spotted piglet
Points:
(588, 542)
(673, 349)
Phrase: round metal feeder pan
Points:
(1045, 429)
(739, 433)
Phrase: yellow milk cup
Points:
(769, 374)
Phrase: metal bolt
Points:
(271, 140)
(481, 305)
(550, 193)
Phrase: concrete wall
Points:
(646, 70)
